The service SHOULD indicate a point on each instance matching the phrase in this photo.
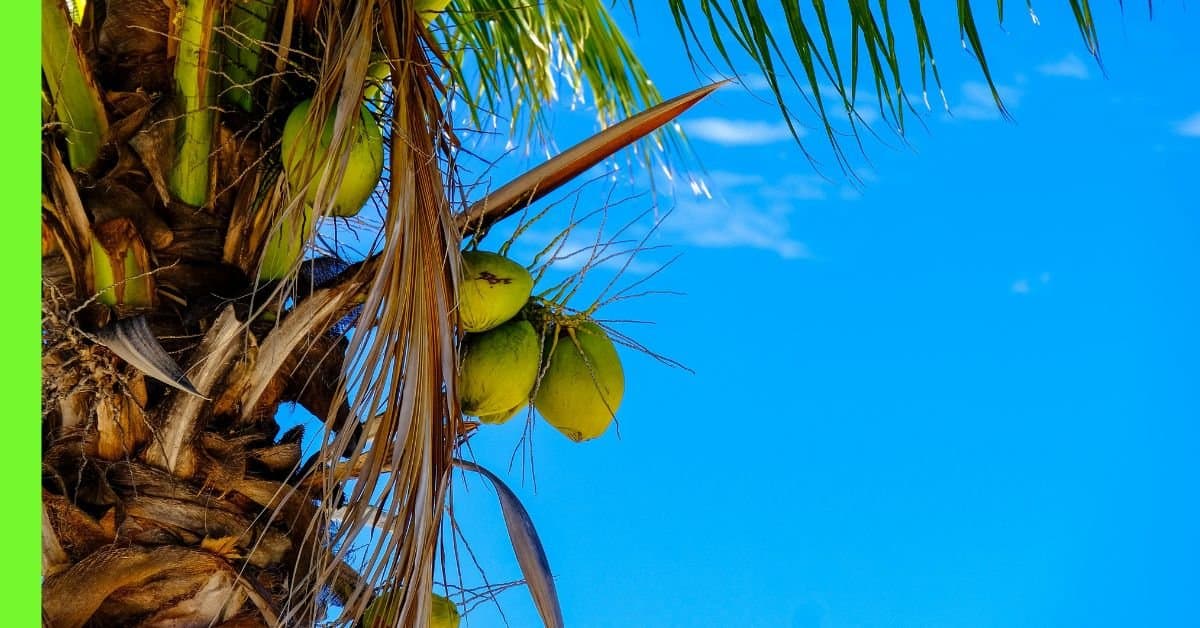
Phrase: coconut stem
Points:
(120, 265)
(76, 96)
(194, 78)
(243, 48)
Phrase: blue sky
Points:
(962, 393)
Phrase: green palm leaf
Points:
(515, 57)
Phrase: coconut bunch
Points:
(519, 348)
(382, 611)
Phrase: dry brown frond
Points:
(403, 350)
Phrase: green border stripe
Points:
(20, 463)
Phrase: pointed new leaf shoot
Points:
(549, 176)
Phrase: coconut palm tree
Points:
(194, 280)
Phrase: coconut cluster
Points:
(509, 346)
(382, 611)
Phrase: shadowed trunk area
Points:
(171, 497)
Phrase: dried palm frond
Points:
(88, 585)
(535, 567)
(402, 353)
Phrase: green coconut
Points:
(382, 612)
(582, 385)
(493, 289)
(303, 158)
(498, 369)
(429, 9)
(379, 73)
(444, 613)
(502, 417)
(286, 245)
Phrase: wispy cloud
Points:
(792, 187)
(800, 187)
(865, 105)
(736, 223)
(752, 211)
(1070, 66)
(754, 82)
(1189, 126)
(581, 247)
(977, 102)
(1025, 286)
(869, 115)
(729, 132)
(725, 180)
(746, 210)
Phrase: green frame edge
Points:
(20, 368)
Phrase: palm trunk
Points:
(168, 507)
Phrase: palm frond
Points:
(172, 446)
(521, 50)
(743, 24)
(518, 54)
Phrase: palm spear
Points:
(170, 497)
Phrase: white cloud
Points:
(729, 132)
(978, 104)
(1070, 66)
(869, 115)
(1189, 126)
(750, 210)
(1025, 286)
(792, 187)
(738, 223)
(747, 210)
(865, 105)
(580, 248)
(726, 179)
(800, 187)
(754, 82)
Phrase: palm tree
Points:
(179, 312)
